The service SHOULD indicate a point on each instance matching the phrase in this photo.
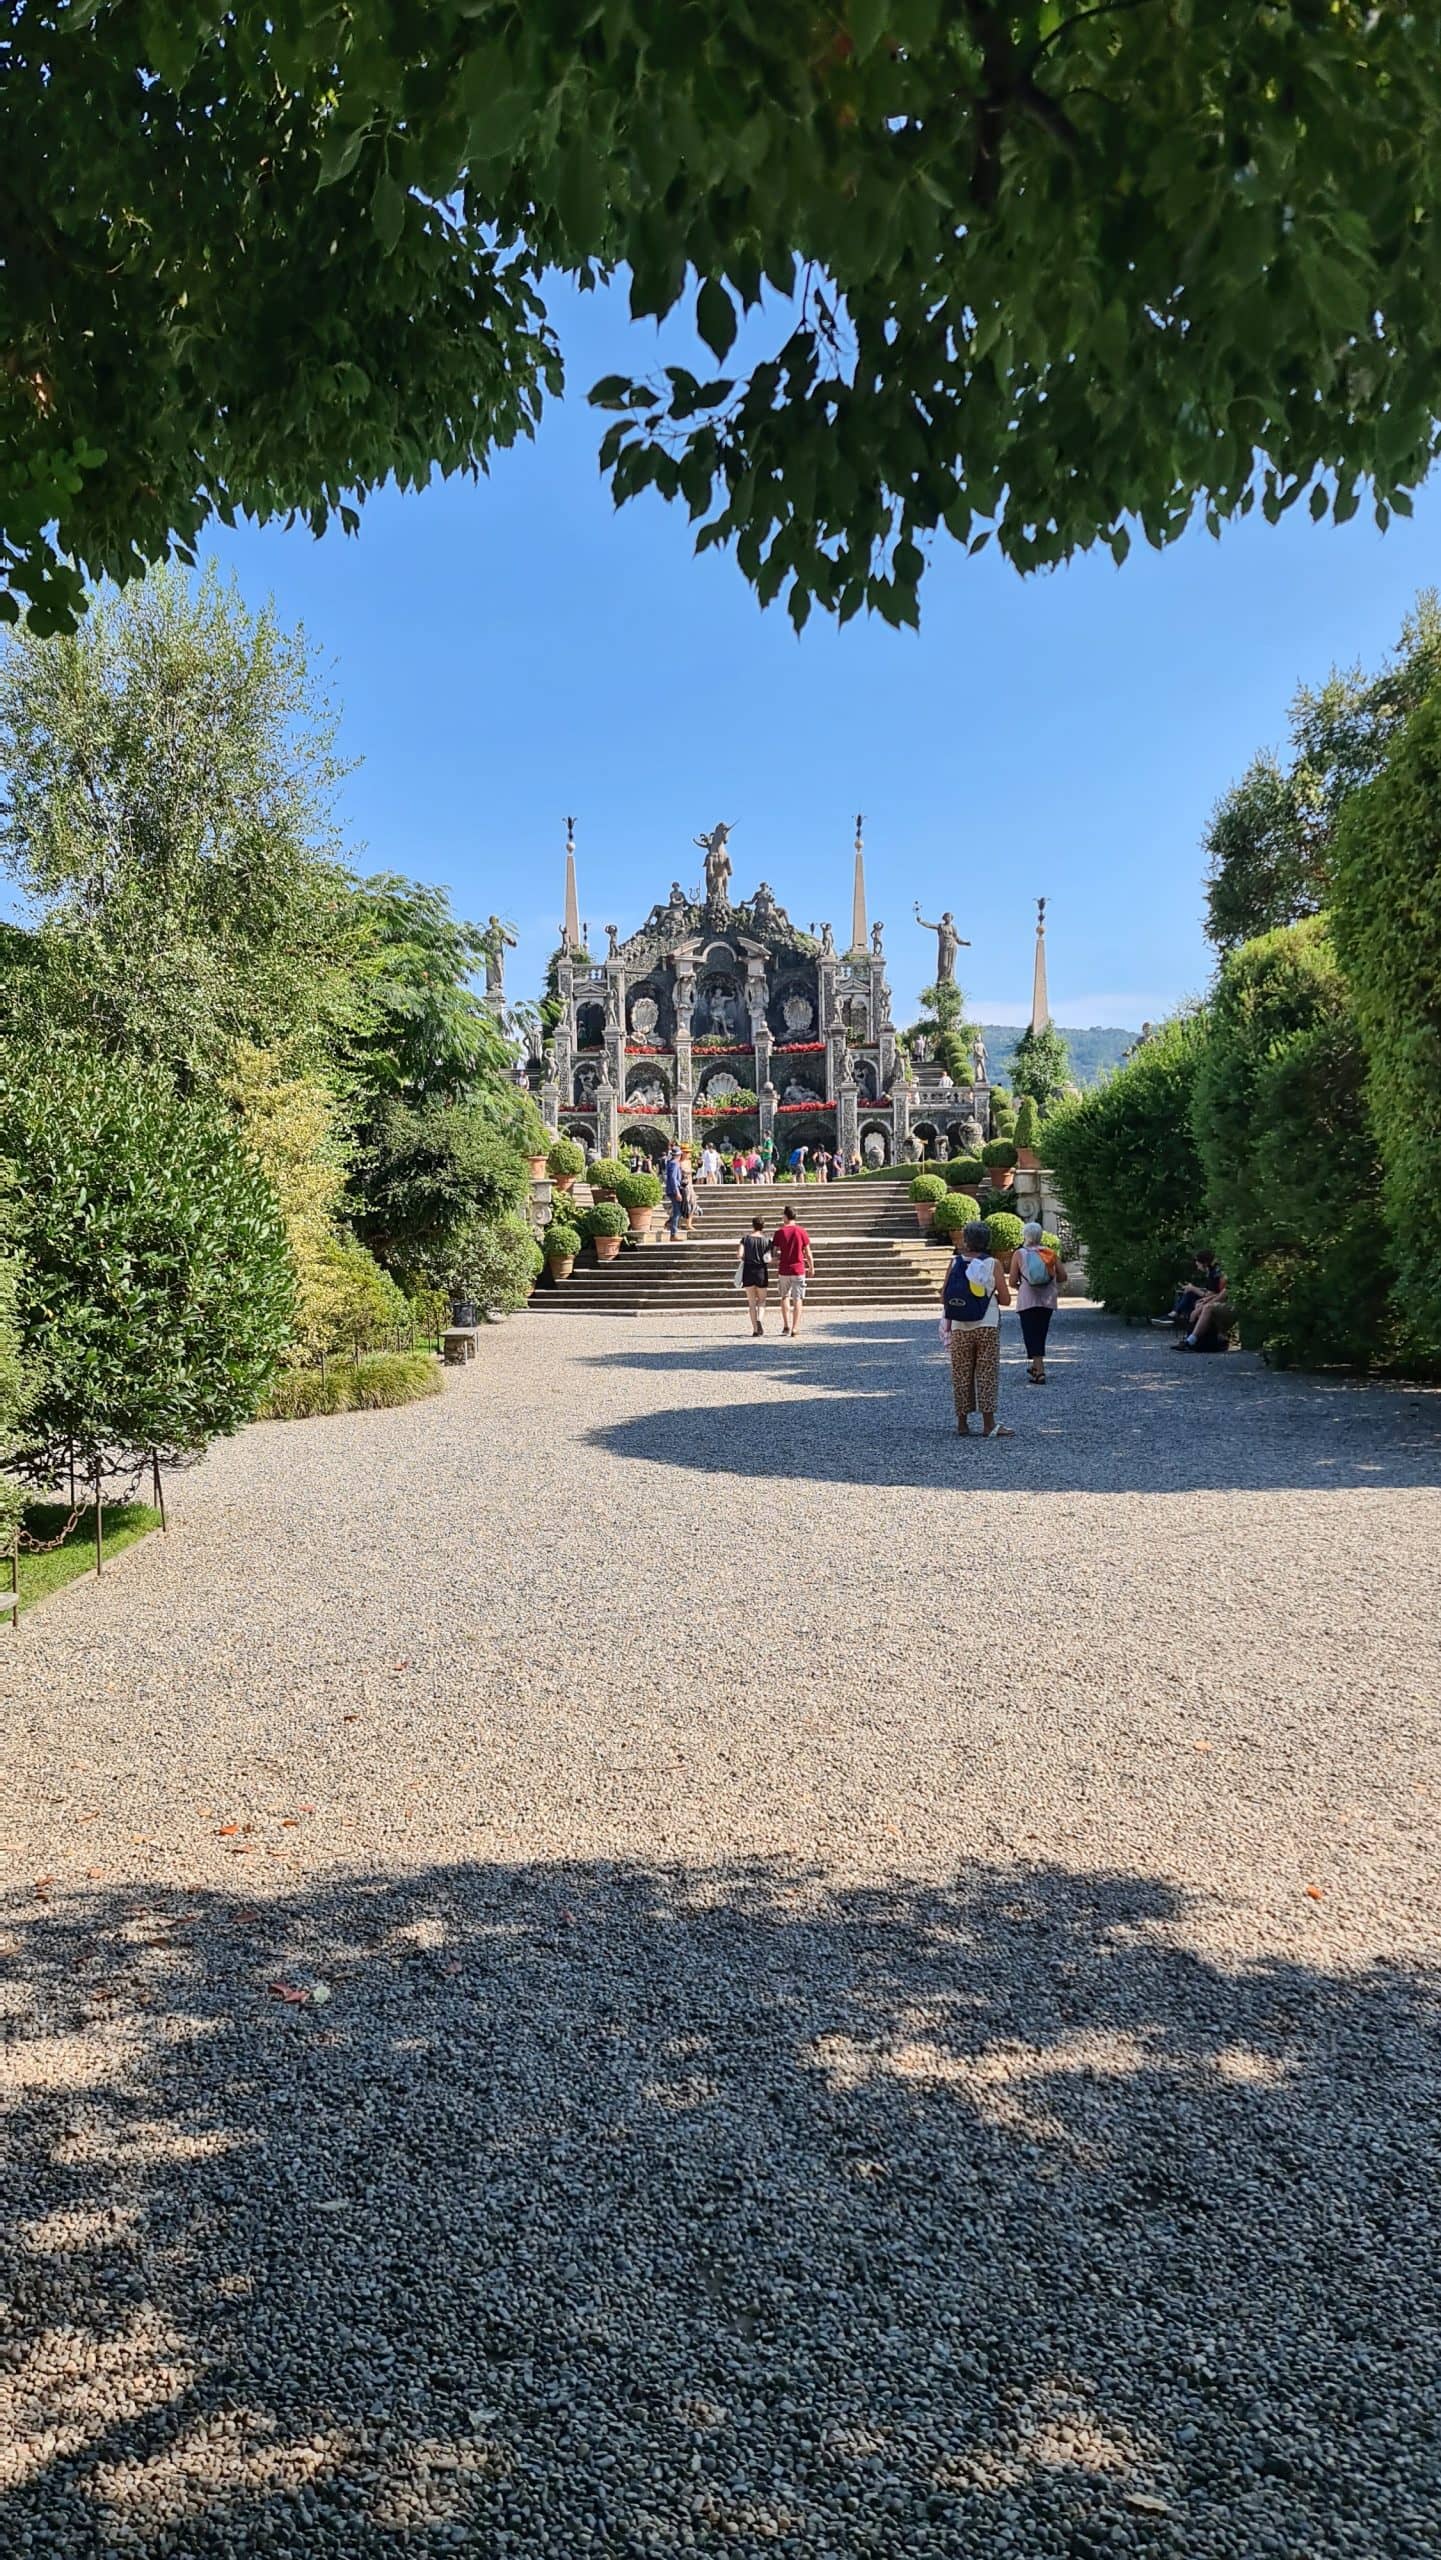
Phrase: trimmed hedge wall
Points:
(1125, 1160)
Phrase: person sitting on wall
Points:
(1207, 1281)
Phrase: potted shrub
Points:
(639, 1194)
(560, 1244)
(605, 1225)
(955, 1210)
(963, 1173)
(605, 1173)
(999, 1158)
(1028, 1130)
(1005, 1233)
(565, 1162)
(926, 1190)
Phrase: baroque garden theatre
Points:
(724, 1020)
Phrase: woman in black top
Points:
(753, 1254)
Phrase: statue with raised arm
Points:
(828, 943)
(876, 931)
(612, 942)
(498, 940)
(948, 943)
(717, 863)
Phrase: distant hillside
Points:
(1092, 1052)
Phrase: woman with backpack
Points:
(974, 1292)
(1038, 1275)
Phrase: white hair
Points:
(1032, 1231)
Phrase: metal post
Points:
(159, 1490)
(99, 1521)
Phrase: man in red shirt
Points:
(795, 1264)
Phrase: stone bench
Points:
(459, 1344)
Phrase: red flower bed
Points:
(644, 1110)
(799, 1048)
(820, 1104)
(645, 1049)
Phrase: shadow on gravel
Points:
(622, 2211)
(1123, 1412)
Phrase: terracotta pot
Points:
(606, 1248)
(560, 1265)
(1001, 1176)
(640, 1223)
(925, 1212)
(601, 1195)
(1027, 1160)
(563, 1181)
(537, 1168)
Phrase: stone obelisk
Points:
(858, 895)
(1040, 1000)
(572, 902)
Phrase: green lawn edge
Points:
(122, 1523)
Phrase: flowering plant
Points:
(644, 1049)
(798, 1048)
(820, 1104)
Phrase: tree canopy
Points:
(1041, 272)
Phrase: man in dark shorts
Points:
(795, 1263)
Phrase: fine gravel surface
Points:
(848, 1992)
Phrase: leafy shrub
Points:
(565, 1159)
(1386, 918)
(18, 1381)
(607, 1218)
(1005, 1231)
(1028, 1126)
(1125, 1160)
(639, 1190)
(1289, 1156)
(432, 1176)
(955, 1210)
(348, 1386)
(560, 1242)
(1000, 1153)
(963, 1173)
(1041, 1067)
(607, 1173)
(504, 1264)
(928, 1186)
(1003, 1112)
(159, 1294)
(351, 1301)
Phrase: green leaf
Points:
(387, 211)
(715, 316)
(868, 24)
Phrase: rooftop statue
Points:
(948, 943)
(717, 863)
(497, 942)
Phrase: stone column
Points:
(550, 1103)
(615, 1024)
(848, 1118)
(835, 1060)
(607, 1118)
(826, 996)
(684, 1103)
(766, 1101)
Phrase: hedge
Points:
(565, 1160)
(1290, 1161)
(928, 1186)
(1386, 919)
(955, 1211)
(964, 1172)
(346, 1386)
(1005, 1232)
(1125, 1160)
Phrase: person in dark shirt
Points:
(753, 1254)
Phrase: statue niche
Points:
(589, 1025)
(719, 1012)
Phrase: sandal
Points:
(999, 1431)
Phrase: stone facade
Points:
(729, 1022)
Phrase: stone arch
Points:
(647, 1081)
(795, 987)
(647, 993)
(875, 1142)
(926, 1138)
(720, 1007)
(651, 1141)
(584, 1082)
(589, 1026)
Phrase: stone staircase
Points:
(868, 1249)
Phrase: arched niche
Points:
(589, 1026)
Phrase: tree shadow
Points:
(612, 2209)
(1122, 1412)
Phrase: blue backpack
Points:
(964, 1303)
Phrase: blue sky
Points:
(507, 653)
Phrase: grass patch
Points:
(348, 1386)
(121, 1523)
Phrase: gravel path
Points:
(866, 1995)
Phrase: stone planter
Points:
(560, 1265)
(925, 1213)
(606, 1248)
